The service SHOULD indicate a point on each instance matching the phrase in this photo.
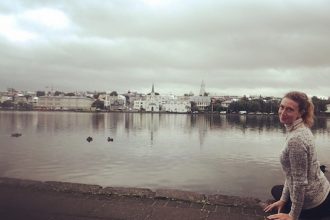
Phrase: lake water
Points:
(232, 155)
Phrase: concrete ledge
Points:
(4, 181)
(224, 200)
(170, 194)
(180, 195)
(122, 191)
(73, 187)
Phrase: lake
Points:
(232, 155)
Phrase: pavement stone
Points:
(218, 216)
(180, 195)
(72, 187)
(138, 192)
(24, 199)
(171, 213)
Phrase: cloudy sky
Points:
(237, 46)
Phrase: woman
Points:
(306, 190)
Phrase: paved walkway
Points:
(25, 199)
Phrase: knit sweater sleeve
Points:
(285, 192)
(298, 166)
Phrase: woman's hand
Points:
(280, 216)
(279, 205)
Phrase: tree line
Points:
(262, 105)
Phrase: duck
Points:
(322, 167)
(89, 139)
(110, 139)
(16, 134)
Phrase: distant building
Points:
(22, 99)
(226, 103)
(130, 98)
(161, 103)
(151, 102)
(328, 108)
(113, 102)
(176, 106)
(202, 89)
(4, 97)
(139, 104)
(201, 101)
(64, 103)
(117, 103)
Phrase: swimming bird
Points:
(110, 139)
(16, 134)
(89, 139)
(322, 167)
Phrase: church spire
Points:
(153, 89)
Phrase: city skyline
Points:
(235, 47)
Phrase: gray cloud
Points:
(236, 47)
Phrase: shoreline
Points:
(323, 115)
(31, 200)
(107, 191)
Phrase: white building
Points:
(139, 104)
(64, 103)
(4, 98)
(201, 101)
(328, 108)
(158, 103)
(130, 98)
(176, 106)
(226, 103)
(118, 102)
(151, 103)
(114, 102)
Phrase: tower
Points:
(202, 90)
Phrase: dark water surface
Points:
(233, 155)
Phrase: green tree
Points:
(234, 107)
(96, 96)
(8, 104)
(113, 93)
(40, 93)
(24, 106)
(98, 104)
(27, 97)
(320, 105)
(57, 93)
(218, 107)
(267, 107)
(253, 106)
(194, 106)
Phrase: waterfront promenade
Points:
(36, 200)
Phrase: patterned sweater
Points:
(305, 184)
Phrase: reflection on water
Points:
(236, 155)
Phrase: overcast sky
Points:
(237, 46)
